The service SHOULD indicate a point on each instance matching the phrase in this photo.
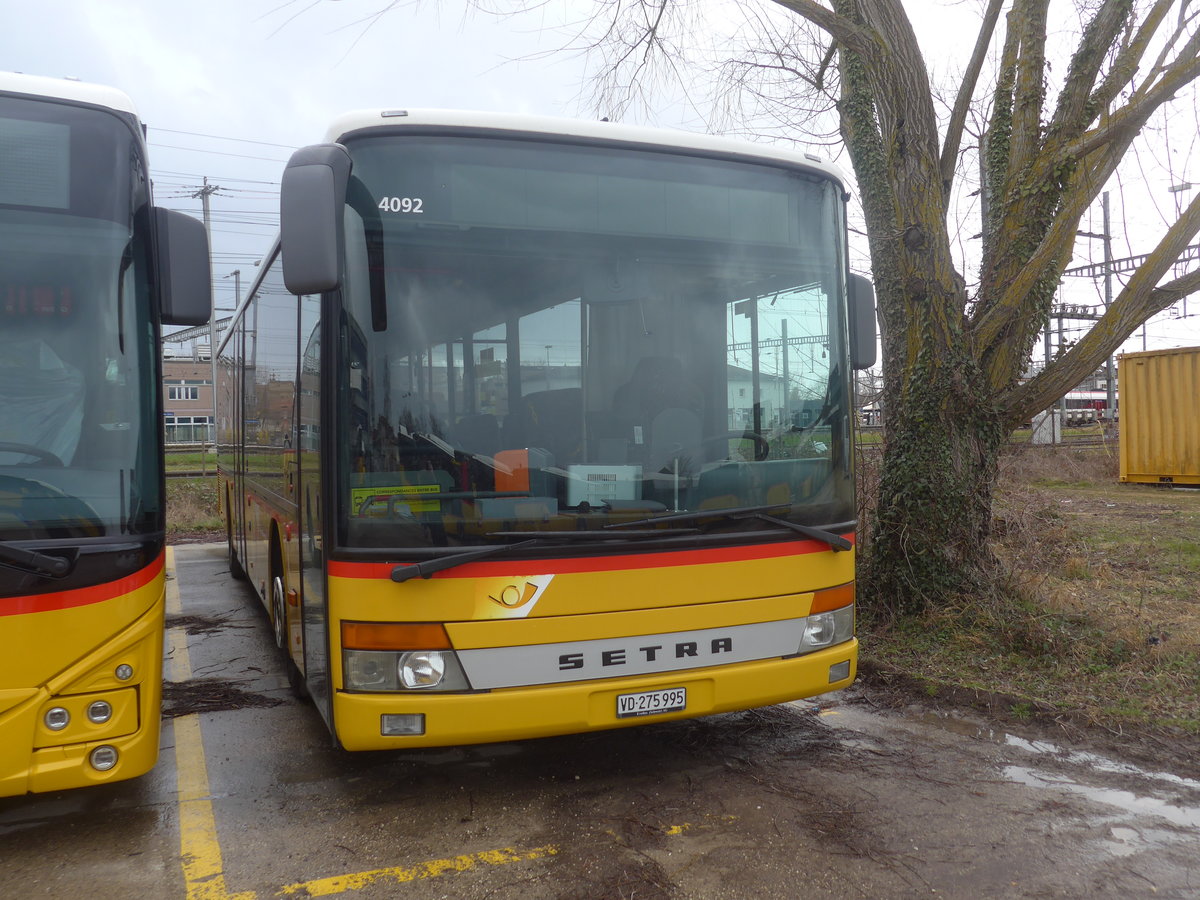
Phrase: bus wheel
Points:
(278, 613)
(296, 680)
(235, 566)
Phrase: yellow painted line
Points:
(434, 868)
(673, 830)
(200, 853)
(174, 605)
(683, 827)
(203, 875)
(199, 849)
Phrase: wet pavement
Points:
(830, 799)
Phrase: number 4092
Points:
(414, 205)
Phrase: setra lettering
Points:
(621, 656)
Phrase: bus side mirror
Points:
(184, 274)
(862, 322)
(312, 197)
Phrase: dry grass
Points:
(192, 507)
(1098, 618)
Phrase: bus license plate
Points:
(649, 703)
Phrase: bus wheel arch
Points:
(279, 620)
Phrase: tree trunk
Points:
(932, 522)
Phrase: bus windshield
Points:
(77, 391)
(551, 337)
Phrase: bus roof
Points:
(66, 89)
(552, 126)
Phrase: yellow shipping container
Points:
(1160, 416)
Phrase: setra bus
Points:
(533, 426)
(89, 269)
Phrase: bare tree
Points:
(957, 333)
(955, 343)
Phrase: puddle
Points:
(1098, 763)
(983, 732)
(1184, 816)
(963, 727)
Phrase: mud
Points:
(207, 696)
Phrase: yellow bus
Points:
(89, 269)
(534, 426)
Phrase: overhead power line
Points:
(219, 137)
(218, 153)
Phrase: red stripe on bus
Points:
(37, 603)
(339, 569)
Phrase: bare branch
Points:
(1126, 64)
(1135, 303)
(1077, 105)
(1124, 124)
(962, 103)
(1029, 96)
(846, 32)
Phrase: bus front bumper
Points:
(547, 710)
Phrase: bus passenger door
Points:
(312, 557)
(230, 372)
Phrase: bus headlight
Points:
(57, 718)
(422, 669)
(369, 670)
(403, 670)
(824, 629)
(103, 758)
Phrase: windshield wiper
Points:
(740, 513)
(836, 541)
(33, 562)
(426, 568)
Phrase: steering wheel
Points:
(762, 447)
(29, 450)
(72, 513)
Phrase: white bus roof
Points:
(66, 89)
(552, 126)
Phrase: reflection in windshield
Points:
(77, 438)
(549, 367)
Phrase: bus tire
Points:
(235, 567)
(279, 613)
(279, 624)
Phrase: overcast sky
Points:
(271, 74)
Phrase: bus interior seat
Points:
(550, 420)
(659, 397)
(727, 485)
(478, 433)
(657, 382)
(675, 434)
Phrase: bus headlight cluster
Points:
(403, 670)
(824, 629)
(103, 758)
(57, 718)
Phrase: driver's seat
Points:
(41, 401)
(668, 407)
